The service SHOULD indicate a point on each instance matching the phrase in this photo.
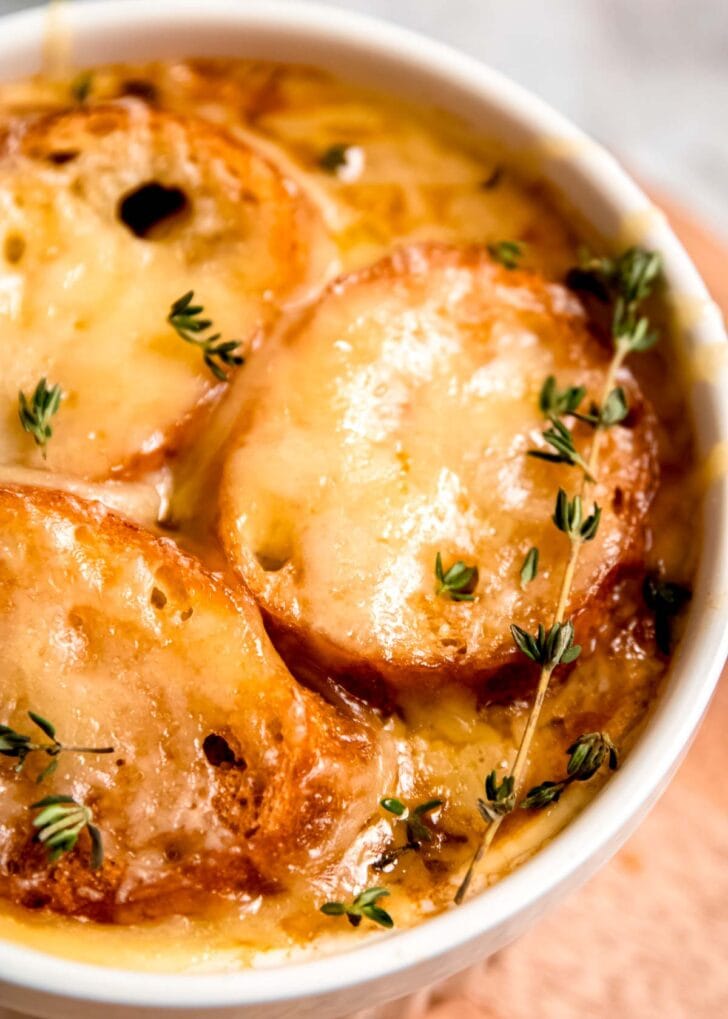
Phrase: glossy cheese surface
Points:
(393, 425)
(225, 774)
(109, 214)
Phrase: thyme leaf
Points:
(458, 583)
(393, 806)
(59, 823)
(364, 905)
(615, 408)
(508, 253)
(529, 570)
(81, 87)
(35, 412)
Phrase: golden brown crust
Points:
(94, 267)
(424, 374)
(226, 775)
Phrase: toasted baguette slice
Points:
(109, 214)
(394, 425)
(225, 776)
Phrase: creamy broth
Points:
(412, 175)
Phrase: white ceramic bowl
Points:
(398, 61)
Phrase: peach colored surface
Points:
(648, 936)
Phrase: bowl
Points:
(372, 52)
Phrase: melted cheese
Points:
(127, 643)
(394, 424)
(418, 177)
(84, 293)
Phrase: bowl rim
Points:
(611, 814)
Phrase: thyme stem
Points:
(519, 766)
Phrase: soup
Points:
(348, 513)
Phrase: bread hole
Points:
(618, 500)
(151, 207)
(270, 531)
(140, 88)
(271, 563)
(275, 730)
(158, 598)
(168, 580)
(186, 614)
(220, 754)
(250, 832)
(35, 901)
(62, 156)
(14, 248)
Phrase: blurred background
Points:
(648, 78)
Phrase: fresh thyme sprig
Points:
(35, 412)
(19, 745)
(628, 280)
(666, 599)
(508, 253)
(587, 754)
(59, 823)
(417, 831)
(569, 517)
(560, 438)
(555, 403)
(459, 582)
(499, 799)
(185, 318)
(548, 648)
(364, 905)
